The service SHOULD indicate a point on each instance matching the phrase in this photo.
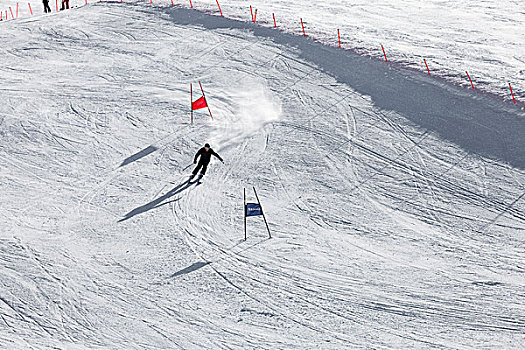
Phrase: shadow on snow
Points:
(139, 155)
(481, 123)
(158, 202)
(191, 268)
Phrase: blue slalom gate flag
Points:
(253, 209)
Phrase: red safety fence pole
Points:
(17, 10)
(255, 16)
(191, 5)
(470, 80)
(251, 12)
(339, 38)
(1, 15)
(30, 10)
(513, 100)
(384, 53)
(191, 102)
(56, 3)
(217, 5)
(11, 13)
(302, 25)
(172, 3)
(428, 70)
(274, 22)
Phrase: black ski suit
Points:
(204, 160)
(46, 6)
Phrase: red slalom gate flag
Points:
(200, 103)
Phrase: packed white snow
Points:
(484, 38)
(385, 233)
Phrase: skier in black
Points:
(205, 153)
(46, 6)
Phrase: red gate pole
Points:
(339, 38)
(470, 80)
(428, 70)
(274, 22)
(513, 100)
(10, 9)
(384, 53)
(218, 6)
(17, 10)
(30, 9)
(209, 110)
(302, 25)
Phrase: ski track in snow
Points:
(481, 37)
(385, 235)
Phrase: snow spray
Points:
(248, 108)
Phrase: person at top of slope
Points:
(205, 154)
(46, 6)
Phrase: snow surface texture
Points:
(396, 202)
(485, 38)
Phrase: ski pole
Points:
(187, 167)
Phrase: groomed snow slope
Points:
(485, 38)
(390, 231)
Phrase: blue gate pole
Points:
(244, 209)
(262, 212)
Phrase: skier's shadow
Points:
(159, 201)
